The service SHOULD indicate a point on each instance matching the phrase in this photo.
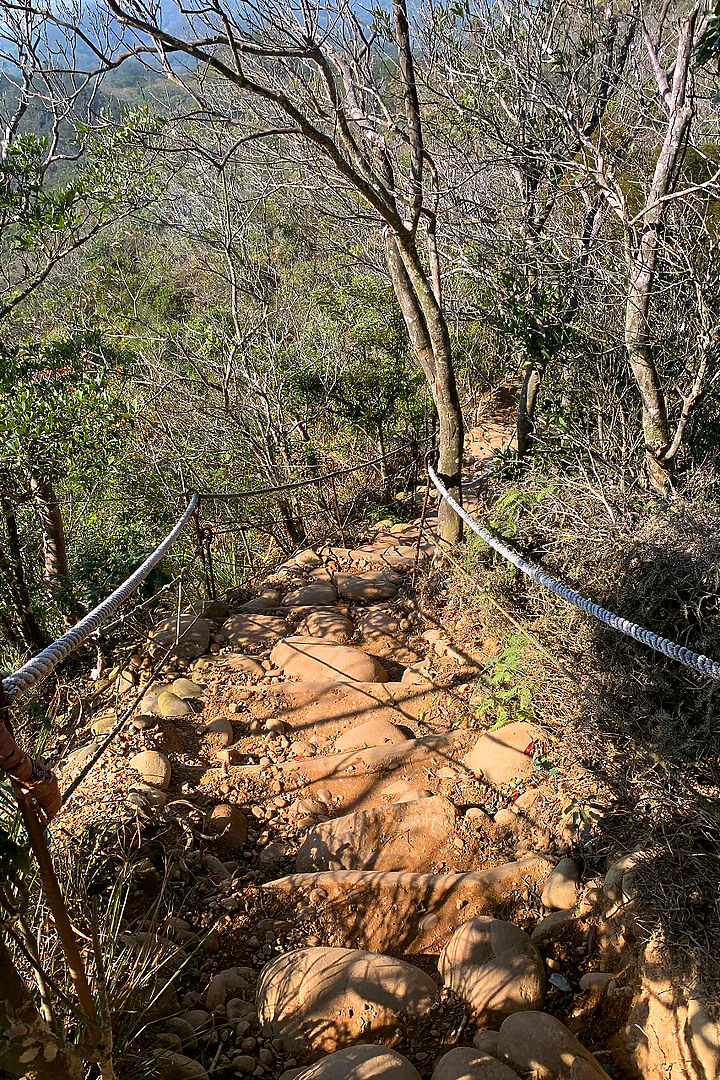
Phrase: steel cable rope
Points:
(668, 648)
(20, 682)
(314, 479)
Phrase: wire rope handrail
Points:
(668, 648)
(310, 480)
(20, 682)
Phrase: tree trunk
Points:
(47, 507)
(293, 527)
(28, 1048)
(654, 410)
(13, 571)
(534, 372)
(642, 253)
(430, 340)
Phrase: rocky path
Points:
(356, 881)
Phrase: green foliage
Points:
(707, 49)
(60, 406)
(504, 690)
(585, 818)
(29, 210)
(507, 512)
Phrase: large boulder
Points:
(318, 594)
(537, 1043)
(303, 658)
(318, 1000)
(504, 755)
(373, 586)
(361, 1063)
(494, 967)
(403, 836)
(193, 637)
(401, 912)
(469, 1063)
(372, 733)
(254, 632)
(329, 626)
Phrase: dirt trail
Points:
(355, 861)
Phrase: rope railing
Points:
(310, 480)
(20, 682)
(668, 648)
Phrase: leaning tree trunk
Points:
(430, 340)
(28, 1048)
(656, 434)
(47, 507)
(642, 254)
(532, 381)
(13, 570)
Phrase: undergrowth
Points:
(646, 727)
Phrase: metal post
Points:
(208, 536)
(53, 894)
(337, 512)
(201, 548)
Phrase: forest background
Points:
(244, 245)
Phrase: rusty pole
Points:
(53, 893)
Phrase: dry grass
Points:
(643, 730)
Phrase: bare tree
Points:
(642, 191)
(340, 94)
(526, 84)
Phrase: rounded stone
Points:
(487, 1041)
(149, 703)
(561, 887)
(318, 1000)
(373, 586)
(503, 755)
(494, 967)
(360, 1063)
(402, 836)
(179, 1067)
(171, 705)
(537, 1042)
(216, 993)
(230, 821)
(152, 796)
(245, 665)
(184, 1031)
(307, 659)
(595, 978)
(143, 721)
(186, 689)
(469, 1063)
(254, 632)
(328, 626)
(104, 723)
(153, 766)
(318, 594)
(193, 633)
(222, 728)
(372, 733)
